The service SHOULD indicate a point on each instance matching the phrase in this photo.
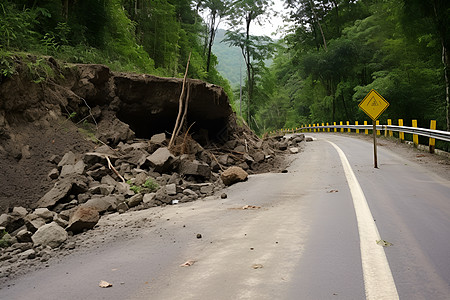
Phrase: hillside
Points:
(230, 59)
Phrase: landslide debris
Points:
(88, 142)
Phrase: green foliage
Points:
(390, 46)
(39, 70)
(145, 36)
(5, 239)
(7, 66)
(149, 186)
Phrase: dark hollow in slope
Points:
(149, 105)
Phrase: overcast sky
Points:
(271, 25)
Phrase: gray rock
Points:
(282, 146)
(149, 198)
(78, 168)
(240, 148)
(108, 180)
(92, 158)
(244, 166)
(258, 156)
(122, 207)
(75, 184)
(161, 160)
(60, 221)
(195, 168)
(33, 222)
(248, 159)
(135, 200)
(44, 213)
(28, 254)
(102, 203)
(101, 189)
(99, 172)
(189, 192)
(309, 139)
(133, 146)
(293, 150)
(19, 211)
(51, 235)
(83, 218)
(158, 138)
(171, 189)
(224, 159)
(11, 222)
(207, 189)
(54, 174)
(140, 178)
(68, 159)
(136, 157)
(24, 236)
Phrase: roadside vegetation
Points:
(333, 55)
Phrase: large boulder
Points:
(51, 235)
(83, 218)
(233, 175)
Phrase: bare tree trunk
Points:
(445, 61)
(320, 26)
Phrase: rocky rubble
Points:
(86, 188)
(70, 184)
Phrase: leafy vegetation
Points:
(337, 51)
(340, 50)
(149, 186)
(144, 36)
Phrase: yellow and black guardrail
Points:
(388, 129)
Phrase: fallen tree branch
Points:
(180, 106)
(111, 167)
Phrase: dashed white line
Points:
(378, 280)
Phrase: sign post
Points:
(374, 105)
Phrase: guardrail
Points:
(388, 129)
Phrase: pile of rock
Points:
(135, 175)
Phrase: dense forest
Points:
(334, 53)
(339, 50)
(146, 36)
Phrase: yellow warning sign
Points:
(373, 104)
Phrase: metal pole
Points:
(375, 160)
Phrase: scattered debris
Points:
(104, 284)
(199, 236)
(257, 266)
(384, 243)
(188, 263)
(332, 191)
(251, 207)
(224, 196)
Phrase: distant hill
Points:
(230, 59)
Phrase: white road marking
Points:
(378, 280)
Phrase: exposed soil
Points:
(69, 141)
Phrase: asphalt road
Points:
(313, 235)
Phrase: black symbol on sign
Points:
(374, 102)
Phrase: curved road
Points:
(317, 233)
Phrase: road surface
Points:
(316, 232)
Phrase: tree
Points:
(217, 10)
(246, 12)
(439, 12)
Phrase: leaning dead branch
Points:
(180, 106)
(111, 167)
